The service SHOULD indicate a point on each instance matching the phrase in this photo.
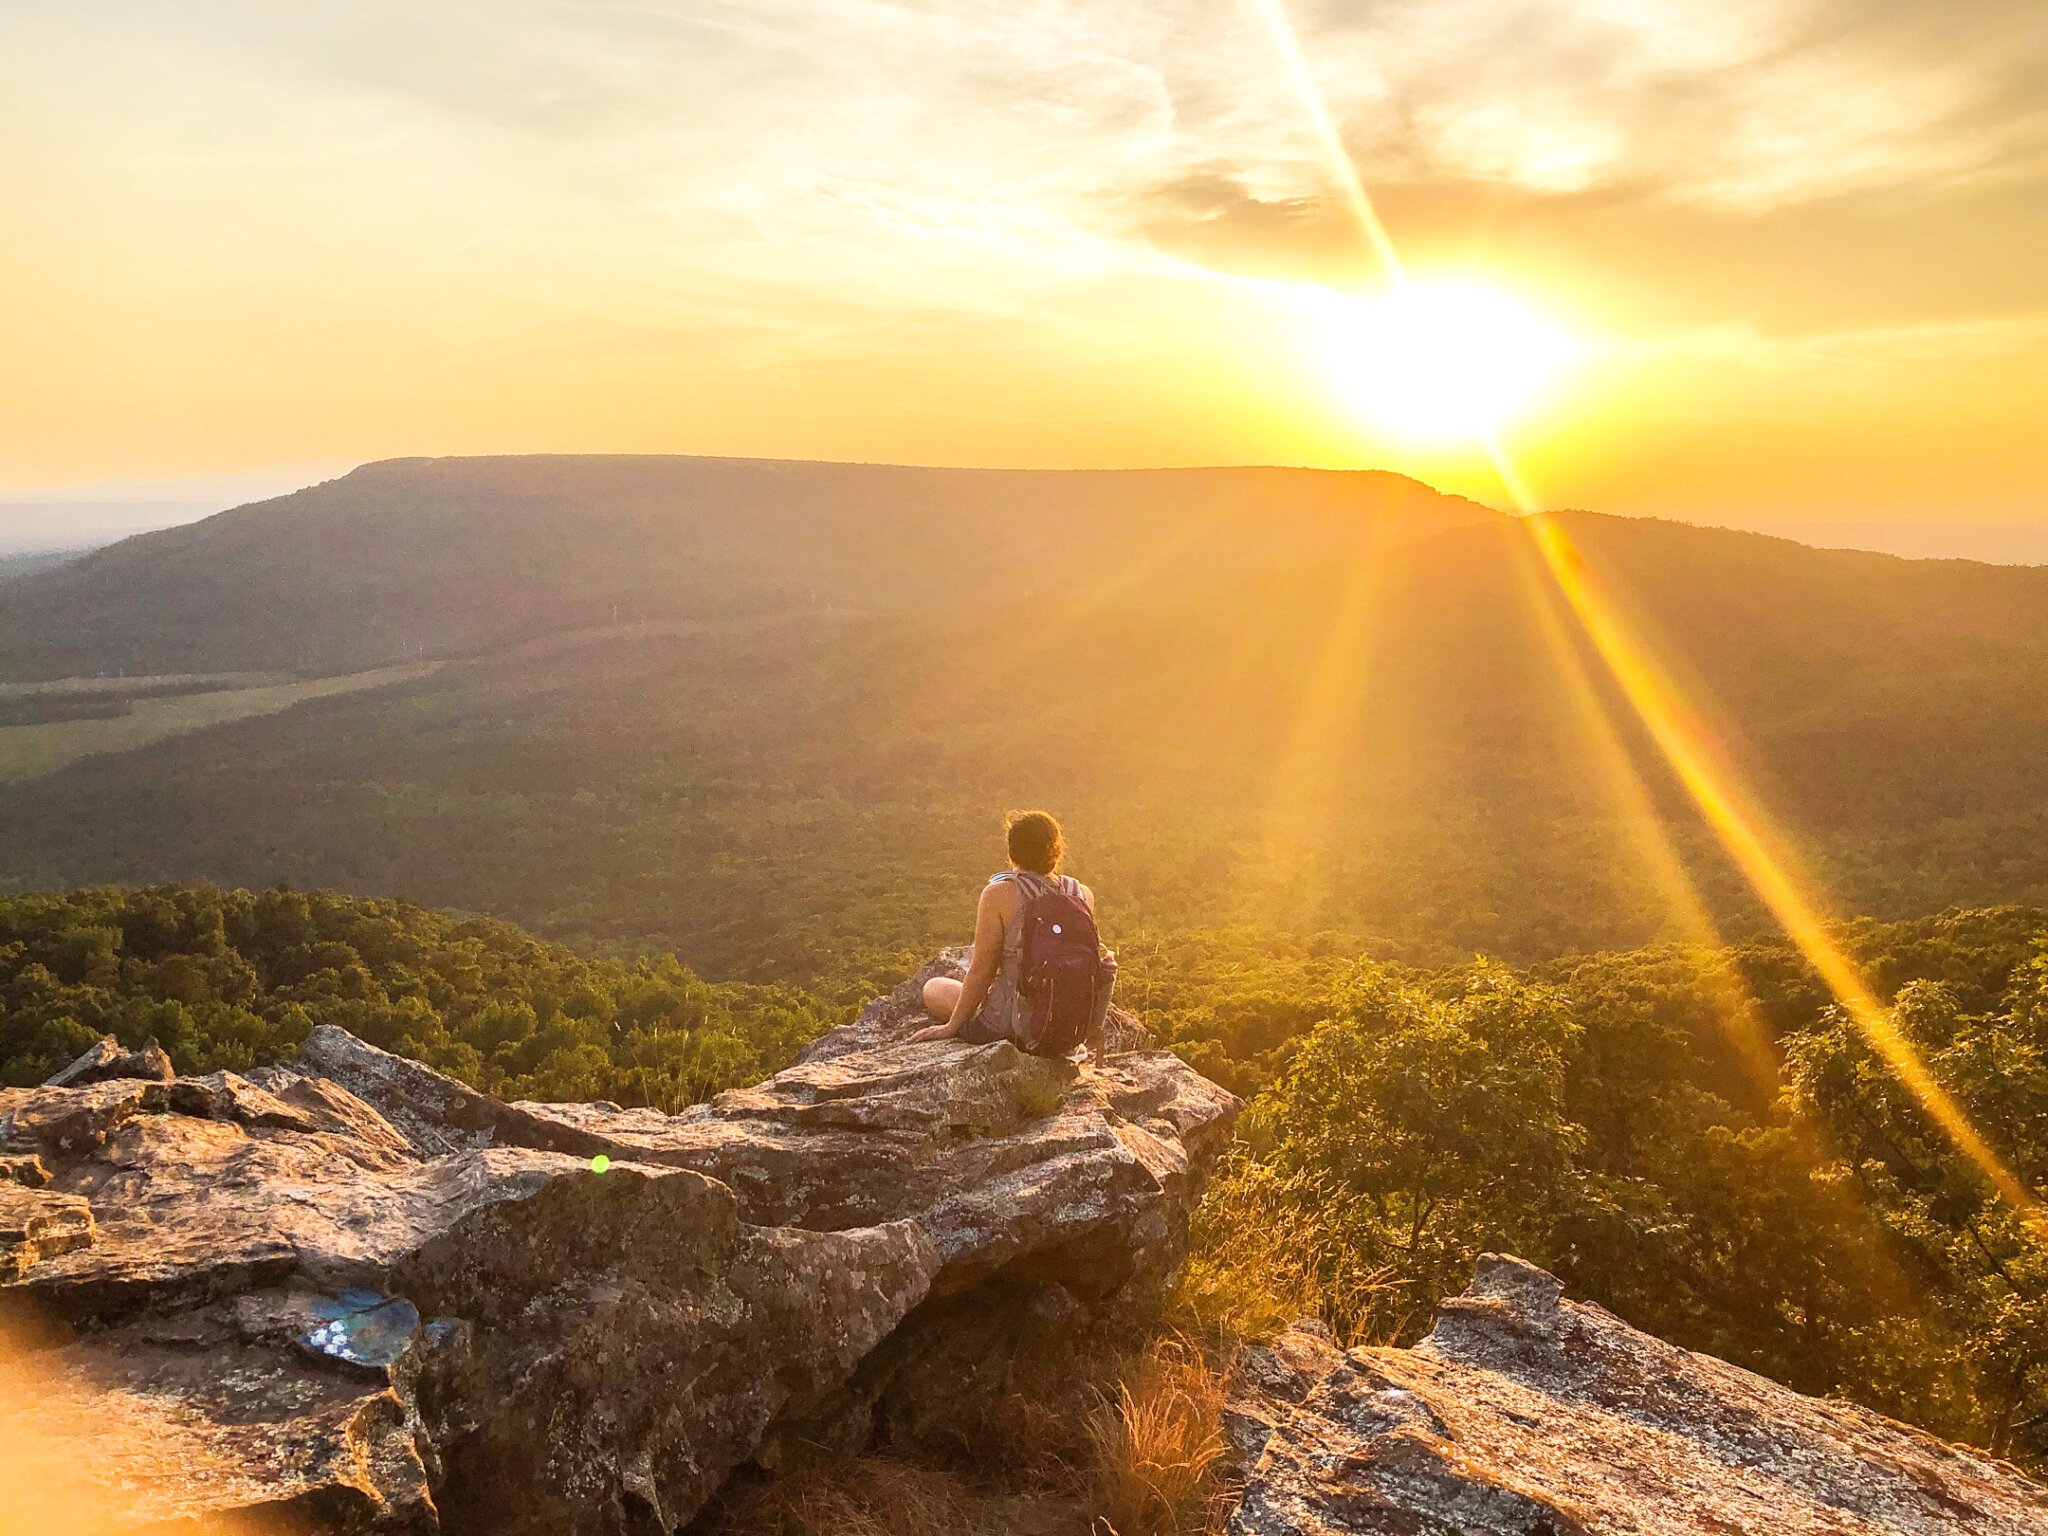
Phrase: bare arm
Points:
(981, 971)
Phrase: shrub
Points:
(235, 979)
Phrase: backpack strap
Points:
(1028, 882)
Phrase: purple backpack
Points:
(1062, 975)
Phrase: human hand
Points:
(932, 1032)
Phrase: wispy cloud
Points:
(1021, 126)
(658, 197)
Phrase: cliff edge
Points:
(368, 1298)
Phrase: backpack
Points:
(1061, 975)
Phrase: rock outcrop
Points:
(373, 1299)
(896, 1015)
(107, 1060)
(1524, 1414)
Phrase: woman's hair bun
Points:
(1035, 841)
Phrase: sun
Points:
(1440, 360)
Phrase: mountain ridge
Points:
(416, 557)
(454, 556)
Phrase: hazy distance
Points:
(71, 518)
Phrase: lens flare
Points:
(1757, 852)
(1735, 1010)
(1679, 736)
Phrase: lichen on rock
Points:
(1526, 1414)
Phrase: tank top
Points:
(998, 1013)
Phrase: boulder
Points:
(23, 1168)
(616, 1397)
(371, 1299)
(36, 1224)
(1524, 1414)
(1266, 1383)
(109, 1059)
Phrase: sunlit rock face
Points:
(1089, 1170)
(369, 1298)
(1524, 1414)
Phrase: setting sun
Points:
(1443, 360)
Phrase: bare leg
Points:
(940, 994)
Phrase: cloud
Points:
(1069, 110)
(1762, 159)
(711, 189)
(1737, 103)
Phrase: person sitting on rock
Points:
(1039, 977)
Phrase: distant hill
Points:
(14, 567)
(413, 558)
(1944, 539)
(1270, 703)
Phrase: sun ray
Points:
(1734, 1006)
(1759, 852)
(1333, 688)
(1735, 1010)
(1761, 855)
(1274, 13)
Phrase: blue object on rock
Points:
(362, 1327)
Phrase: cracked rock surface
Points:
(1524, 1414)
(368, 1298)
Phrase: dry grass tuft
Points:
(1038, 1429)
(1157, 1440)
(867, 1496)
(1265, 1252)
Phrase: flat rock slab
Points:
(1527, 1415)
(321, 1326)
(212, 1414)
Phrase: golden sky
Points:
(1799, 248)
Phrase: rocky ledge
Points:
(355, 1295)
(1524, 1414)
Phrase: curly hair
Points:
(1035, 841)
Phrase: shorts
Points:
(994, 1019)
(977, 1032)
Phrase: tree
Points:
(1983, 1263)
(1437, 1117)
